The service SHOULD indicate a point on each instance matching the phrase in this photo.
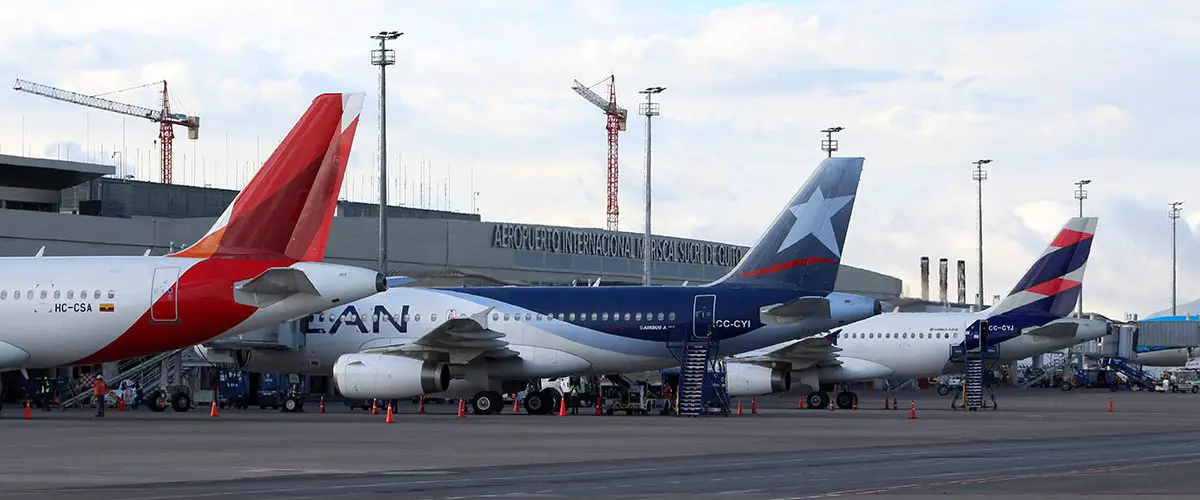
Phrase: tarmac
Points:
(1039, 442)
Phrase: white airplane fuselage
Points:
(68, 310)
(909, 345)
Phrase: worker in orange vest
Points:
(99, 391)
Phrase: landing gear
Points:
(817, 400)
(847, 400)
(158, 401)
(487, 402)
(540, 402)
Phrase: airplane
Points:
(1031, 320)
(407, 342)
(259, 264)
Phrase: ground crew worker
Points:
(47, 393)
(99, 390)
(573, 399)
(669, 396)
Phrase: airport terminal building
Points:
(74, 208)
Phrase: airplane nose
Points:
(12, 356)
(380, 282)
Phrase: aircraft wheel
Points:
(181, 402)
(156, 402)
(486, 402)
(845, 400)
(817, 400)
(535, 403)
(943, 389)
(293, 405)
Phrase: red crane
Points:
(166, 119)
(615, 122)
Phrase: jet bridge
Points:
(1183, 332)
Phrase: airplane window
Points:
(407, 317)
(517, 317)
(594, 316)
(320, 317)
(433, 317)
(375, 317)
(638, 317)
(43, 294)
(528, 316)
(572, 316)
(626, 316)
(16, 294)
(505, 316)
(29, 293)
(70, 294)
(956, 335)
(57, 294)
(3, 294)
(96, 294)
(417, 317)
(649, 316)
(671, 316)
(604, 316)
(83, 295)
(660, 316)
(495, 316)
(111, 294)
(539, 316)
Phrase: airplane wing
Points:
(802, 354)
(461, 338)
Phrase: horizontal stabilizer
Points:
(273, 285)
(1056, 330)
(796, 310)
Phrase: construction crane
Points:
(164, 117)
(616, 117)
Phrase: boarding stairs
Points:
(971, 396)
(1137, 376)
(701, 378)
(162, 370)
(1034, 377)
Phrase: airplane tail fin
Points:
(286, 210)
(802, 248)
(1051, 287)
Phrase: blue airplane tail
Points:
(1051, 287)
(802, 248)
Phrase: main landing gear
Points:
(159, 399)
(487, 403)
(820, 400)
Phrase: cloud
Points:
(1053, 92)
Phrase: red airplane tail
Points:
(286, 210)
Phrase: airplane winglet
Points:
(146, 253)
(41, 251)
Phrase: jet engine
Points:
(383, 376)
(746, 379)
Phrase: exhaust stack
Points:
(943, 279)
(925, 278)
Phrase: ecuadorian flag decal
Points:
(106, 308)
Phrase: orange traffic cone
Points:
(213, 412)
(739, 407)
(562, 407)
(421, 406)
(886, 406)
(516, 403)
(28, 411)
(462, 408)
(912, 410)
(753, 406)
(322, 404)
(121, 403)
(1110, 408)
(800, 403)
(374, 407)
(389, 419)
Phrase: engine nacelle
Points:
(383, 376)
(746, 379)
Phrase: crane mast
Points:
(164, 117)
(615, 118)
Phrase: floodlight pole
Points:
(1174, 217)
(383, 57)
(829, 145)
(648, 109)
(979, 175)
(1081, 194)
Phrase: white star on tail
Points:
(812, 217)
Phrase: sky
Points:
(480, 97)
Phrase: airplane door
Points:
(164, 293)
(703, 309)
